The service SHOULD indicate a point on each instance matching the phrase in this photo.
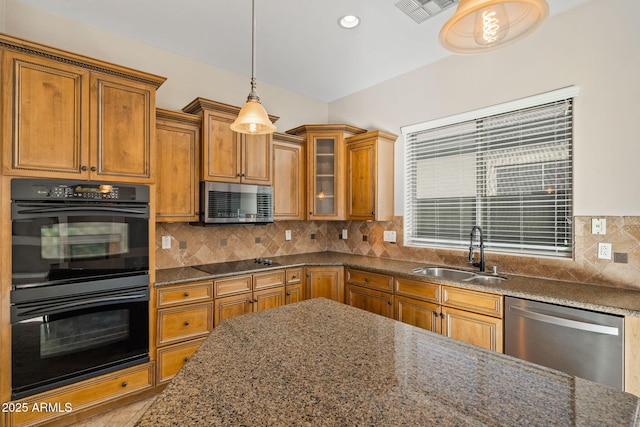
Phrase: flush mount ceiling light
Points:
(349, 21)
(253, 118)
(483, 25)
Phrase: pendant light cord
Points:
(253, 94)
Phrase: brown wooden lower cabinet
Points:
(171, 359)
(325, 282)
(240, 295)
(425, 315)
(467, 315)
(82, 395)
(371, 300)
(473, 328)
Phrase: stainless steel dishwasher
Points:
(579, 342)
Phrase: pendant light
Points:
(483, 25)
(253, 118)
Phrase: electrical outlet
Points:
(344, 234)
(598, 226)
(287, 234)
(389, 236)
(166, 242)
(604, 250)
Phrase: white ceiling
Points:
(299, 45)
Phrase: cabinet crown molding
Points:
(200, 104)
(16, 44)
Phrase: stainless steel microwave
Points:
(228, 203)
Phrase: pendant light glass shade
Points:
(253, 118)
(483, 25)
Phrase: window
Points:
(507, 168)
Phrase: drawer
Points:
(476, 301)
(172, 358)
(370, 280)
(268, 279)
(187, 293)
(177, 324)
(232, 285)
(294, 276)
(85, 394)
(425, 291)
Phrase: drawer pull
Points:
(186, 294)
(124, 384)
(186, 323)
(294, 277)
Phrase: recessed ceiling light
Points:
(349, 21)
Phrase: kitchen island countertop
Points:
(319, 362)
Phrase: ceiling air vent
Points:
(421, 10)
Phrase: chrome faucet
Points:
(481, 263)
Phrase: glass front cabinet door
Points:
(326, 169)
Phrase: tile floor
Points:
(120, 417)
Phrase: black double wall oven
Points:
(80, 281)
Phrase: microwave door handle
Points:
(49, 209)
(50, 308)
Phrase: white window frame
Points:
(462, 189)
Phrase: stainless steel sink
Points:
(460, 275)
(447, 273)
(488, 280)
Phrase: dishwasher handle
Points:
(567, 323)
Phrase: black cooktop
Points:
(236, 266)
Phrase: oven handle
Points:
(81, 211)
(49, 308)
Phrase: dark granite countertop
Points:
(586, 296)
(322, 363)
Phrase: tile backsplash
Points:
(192, 245)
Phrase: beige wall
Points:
(186, 78)
(595, 46)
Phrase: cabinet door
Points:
(325, 282)
(294, 293)
(370, 300)
(289, 180)
(326, 176)
(477, 329)
(268, 298)
(256, 159)
(361, 181)
(221, 149)
(418, 313)
(228, 307)
(122, 129)
(172, 358)
(46, 108)
(177, 172)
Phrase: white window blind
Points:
(507, 168)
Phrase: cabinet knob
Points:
(84, 168)
(373, 213)
(366, 279)
(288, 293)
(186, 358)
(93, 168)
(294, 277)
(124, 384)
(186, 294)
(255, 300)
(186, 323)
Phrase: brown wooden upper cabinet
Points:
(289, 177)
(228, 156)
(370, 176)
(69, 116)
(177, 171)
(326, 168)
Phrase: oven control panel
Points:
(51, 190)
